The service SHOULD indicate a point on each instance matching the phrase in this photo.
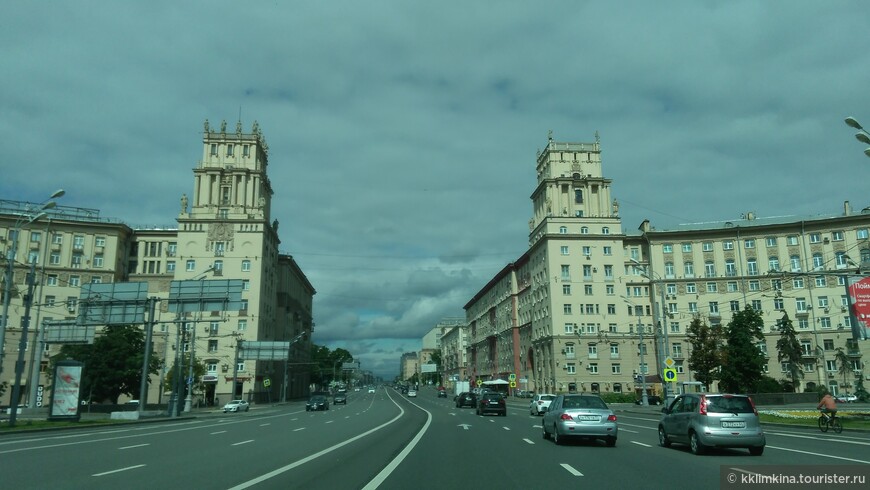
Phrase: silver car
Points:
(580, 416)
(704, 420)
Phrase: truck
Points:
(461, 387)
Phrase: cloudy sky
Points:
(403, 134)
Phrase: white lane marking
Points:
(641, 444)
(131, 447)
(388, 470)
(218, 432)
(571, 469)
(818, 454)
(118, 470)
(623, 429)
(529, 441)
(264, 425)
(506, 428)
(243, 442)
(622, 424)
(819, 438)
(537, 427)
(330, 421)
(297, 430)
(464, 426)
(294, 420)
(347, 416)
(320, 453)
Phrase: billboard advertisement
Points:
(859, 306)
(67, 391)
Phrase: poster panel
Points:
(859, 306)
(67, 391)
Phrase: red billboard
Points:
(859, 300)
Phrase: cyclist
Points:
(828, 404)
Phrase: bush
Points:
(617, 397)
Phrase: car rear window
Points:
(547, 397)
(733, 404)
(583, 402)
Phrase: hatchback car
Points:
(540, 402)
(317, 402)
(442, 394)
(580, 416)
(466, 399)
(704, 420)
(371, 390)
(491, 402)
(339, 398)
(650, 399)
(236, 406)
(412, 393)
(846, 398)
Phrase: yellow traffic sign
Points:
(479, 382)
(513, 384)
(670, 375)
(669, 362)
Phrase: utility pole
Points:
(643, 396)
(149, 328)
(22, 346)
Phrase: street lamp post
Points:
(644, 400)
(664, 349)
(862, 135)
(28, 217)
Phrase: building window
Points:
(246, 150)
(691, 288)
(687, 247)
(731, 286)
(606, 250)
(791, 240)
(566, 308)
(563, 230)
(51, 280)
(752, 267)
(563, 250)
(714, 307)
(730, 268)
(578, 196)
(669, 269)
(608, 272)
(707, 246)
(243, 326)
(689, 269)
(566, 289)
(229, 149)
(728, 245)
(214, 150)
(862, 234)
(212, 345)
(240, 367)
(170, 266)
(668, 248)
(587, 289)
(78, 242)
(76, 261)
(98, 260)
(815, 237)
(571, 368)
(569, 328)
(566, 273)
(773, 264)
(749, 243)
(100, 241)
(584, 230)
(841, 259)
(605, 230)
(35, 236)
(675, 327)
(712, 287)
(754, 285)
(587, 251)
(770, 241)
(735, 305)
(57, 238)
(593, 368)
(709, 269)
(837, 236)
(75, 281)
(243, 307)
(191, 265)
(246, 266)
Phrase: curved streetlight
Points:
(30, 215)
(862, 135)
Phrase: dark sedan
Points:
(317, 402)
(466, 399)
(339, 398)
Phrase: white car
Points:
(412, 393)
(236, 406)
(371, 390)
(540, 402)
(846, 398)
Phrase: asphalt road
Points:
(386, 440)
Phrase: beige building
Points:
(578, 310)
(225, 231)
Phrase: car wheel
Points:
(610, 441)
(756, 451)
(545, 433)
(558, 440)
(663, 438)
(247, 408)
(695, 444)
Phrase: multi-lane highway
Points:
(385, 440)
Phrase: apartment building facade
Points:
(225, 230)
(582, 309)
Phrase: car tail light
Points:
(754, 410)
(702, 409)
(565, 416)
(611, 418)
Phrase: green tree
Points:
(788, 350)
(326, 364)
(743, 364)
(706, 357)
(112, 364)
(842, 361)
(198, 372)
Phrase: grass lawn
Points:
(851, 419)
(28, 424)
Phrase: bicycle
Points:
(828, 421)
